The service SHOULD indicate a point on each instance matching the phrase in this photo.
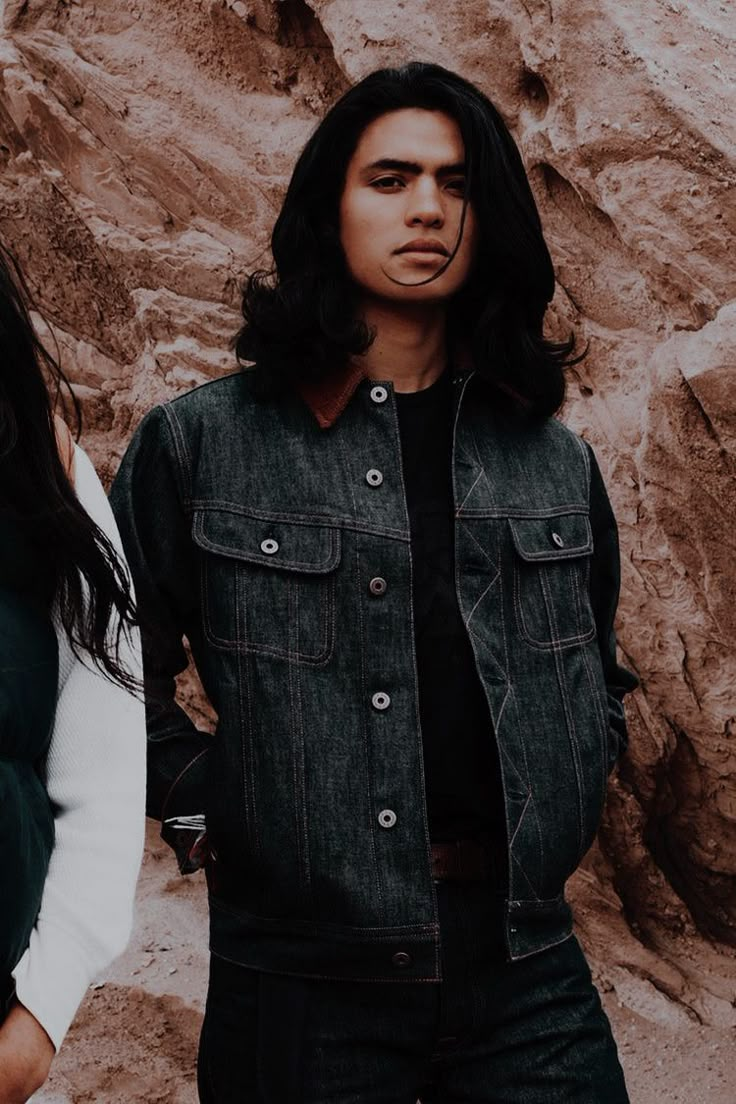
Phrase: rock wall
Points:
(144, 149)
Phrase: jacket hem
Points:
(321, 952)
(535, 926)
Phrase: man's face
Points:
(401, 208)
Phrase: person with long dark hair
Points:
(398, 574)
(71, 715)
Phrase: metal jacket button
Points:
(379, 394)
(401, 959)
(381, 700)
(387, 818)
(378, 586)
(373, 477)
(269, 546)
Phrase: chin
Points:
(426, 293)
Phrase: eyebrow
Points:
(412, 167)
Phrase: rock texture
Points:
(144, 148)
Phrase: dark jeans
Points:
(529, 1032)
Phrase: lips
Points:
(424, 245)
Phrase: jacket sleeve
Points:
(149, 498)
(605, 581)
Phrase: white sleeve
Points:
(95, 777)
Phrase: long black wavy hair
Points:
(301, 320)
(82, 575)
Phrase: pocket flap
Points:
(561, 537)
(284, 545)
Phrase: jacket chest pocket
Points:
(551, 577)
(268, 587)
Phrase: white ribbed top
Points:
(95, 776)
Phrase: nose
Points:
(424, 207)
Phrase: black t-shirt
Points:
(464, 797)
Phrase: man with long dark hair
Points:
(398, 575)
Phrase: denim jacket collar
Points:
(328, 398)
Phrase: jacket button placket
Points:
(378, 612)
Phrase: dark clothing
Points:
(527, 1032)
(461, 769)
(464, 795)
(28, 685)
(265, 554)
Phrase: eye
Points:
(457, 186)
(386, 183)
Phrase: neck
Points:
(409, 348)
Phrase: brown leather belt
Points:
(461, 861)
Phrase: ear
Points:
(65, 445)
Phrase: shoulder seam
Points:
(584, 448)
(181, 453)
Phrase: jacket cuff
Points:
(185, 801)
(186, 793)
(51, 979)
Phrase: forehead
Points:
(411, 134)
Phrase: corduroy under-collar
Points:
(328, 398)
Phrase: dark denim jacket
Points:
(256, 534)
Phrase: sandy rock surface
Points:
(144, 149)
